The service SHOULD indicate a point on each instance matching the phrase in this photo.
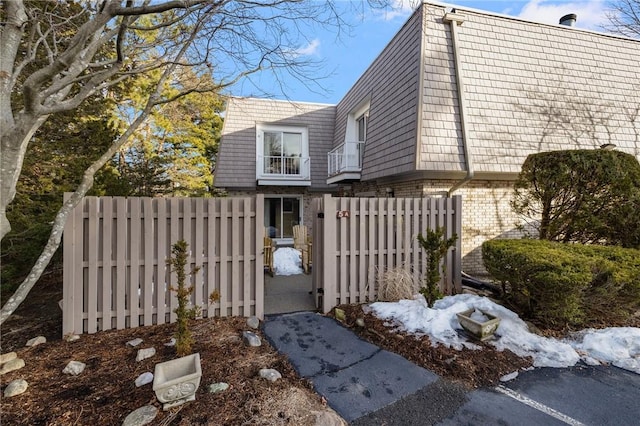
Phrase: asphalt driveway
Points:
(370, 386)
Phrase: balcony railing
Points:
(284, 168)
(346, 158)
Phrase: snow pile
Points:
(287, 261)
(618, 346)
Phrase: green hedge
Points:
(566, 284)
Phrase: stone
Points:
(145, 353)
(171, 342)
(328, 418)
(218, 387)
(508, 377)
(253, 322)
(270, 374)
(251, 339)
(37, 341)
(360, 322)
(141, 416)
(16, 388)
(135, 342)
(8, 357)
(12, 365)
(143, 379)
(340, 316)
(71, 337)
(74, 368)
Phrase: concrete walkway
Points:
(370, 386)
(354, 376)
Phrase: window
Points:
(358, 122)
(282, 154)
(361, 126)
(281, 214)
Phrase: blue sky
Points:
(344, 59)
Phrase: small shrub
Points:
(178, 262)
(565, 284)
(435, 247)
(396, 284)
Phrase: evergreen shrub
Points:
(565, 284)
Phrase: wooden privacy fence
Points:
(356, 237)
(115, 252)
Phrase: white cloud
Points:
(308, 50)
(398, 9)
(591, 13)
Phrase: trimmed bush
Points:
(565, 284)
(584, 196)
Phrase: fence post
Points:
(259, 234)
(457, 252)
(329, 253)
(69, 278)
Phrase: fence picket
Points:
(105, 304)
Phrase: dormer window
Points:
(361, 126)
(282, 155)
(345, 160)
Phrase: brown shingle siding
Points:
(515, 70)
(237, 160)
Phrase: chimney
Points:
(569, 20)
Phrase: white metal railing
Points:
(284, 167)
(346, 157)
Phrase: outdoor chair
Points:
(268, 255)
(302, 242)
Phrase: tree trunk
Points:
(14, 146)
(61, 218)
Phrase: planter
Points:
(481, 330)
(175, 382)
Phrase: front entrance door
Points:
(281, 213)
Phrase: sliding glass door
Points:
(281, 213)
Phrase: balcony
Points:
(278, 170)
(345, 162)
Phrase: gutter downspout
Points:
(455, 19)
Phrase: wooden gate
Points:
(356, 237)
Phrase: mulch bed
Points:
(472, 368)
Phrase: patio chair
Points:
(268, 255)
(302, 242)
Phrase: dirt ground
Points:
(105, 392)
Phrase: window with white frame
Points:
(282, 152)
(356, 135)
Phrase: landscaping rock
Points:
(360, 322)
(16, 388)
(328, 418)
(141, 416)
(36, 341)
(12, 365)
(251, 339)
(135, 342)
(171, 342)
(253, 322)
(143, 379)
(8, 357)
(71, 337)
(74, 368)
(218, 387)
(508, 377)
(270, 374)
(145, 353)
